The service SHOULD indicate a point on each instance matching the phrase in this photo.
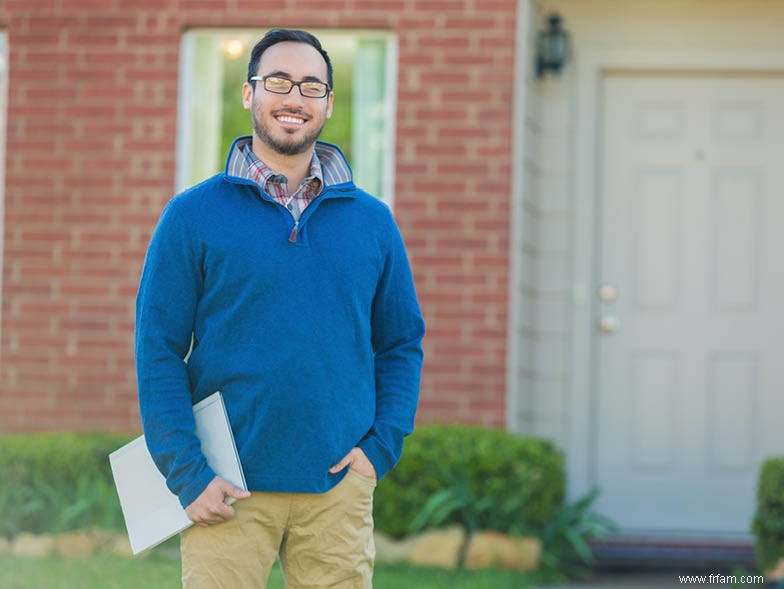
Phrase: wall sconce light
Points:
(553, 46)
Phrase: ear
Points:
(330, 100)
(247, 96)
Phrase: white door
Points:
(690, 298)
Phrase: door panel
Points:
(689, 354)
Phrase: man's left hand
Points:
(357, 461)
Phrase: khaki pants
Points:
(323, 540)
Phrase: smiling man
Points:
(286, 287)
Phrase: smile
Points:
(290, 119)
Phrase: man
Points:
(288, 289)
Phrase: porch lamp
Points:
(552, 47)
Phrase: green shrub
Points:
(53, 482)
(566, 537)
(768, 523)
(519, 482)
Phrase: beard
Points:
(288, 146)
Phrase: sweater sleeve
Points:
(397, 331)
(169, 290)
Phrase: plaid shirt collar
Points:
(276, 185)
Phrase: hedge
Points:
(61, 481)
(54, 482)
(768, 523)
(523, 476)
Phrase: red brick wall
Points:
(90, 162)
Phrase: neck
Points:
(295, 167)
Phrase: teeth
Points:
(287, 119)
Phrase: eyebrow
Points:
(282, 74)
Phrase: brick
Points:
(469, 59)
(92, 75)
(448, 77)
(500, 5)
(452, 167)
(113, 58)
(36, 37)
(456, 113)
(109, 40)
(30, 6)
(47, 20)
(451, 42)
(324, 4)
(440, 5)
(89, 5)
(501, 40)
(389, 6)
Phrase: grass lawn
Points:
(154, 572)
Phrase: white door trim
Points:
(527, 12)
(593, 62)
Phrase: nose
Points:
(294, 97)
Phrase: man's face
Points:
(288, 123)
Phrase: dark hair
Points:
(276, 36)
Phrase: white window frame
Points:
(187, 87)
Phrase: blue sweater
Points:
(313, 336)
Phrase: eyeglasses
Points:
(278, 85)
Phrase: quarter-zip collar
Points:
(337, 177)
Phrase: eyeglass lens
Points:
(284, 86)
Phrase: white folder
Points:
(152, 512)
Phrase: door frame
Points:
(594, 63)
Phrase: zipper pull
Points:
(293, 234)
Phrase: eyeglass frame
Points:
(263, 79)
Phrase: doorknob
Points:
(608, 293)
(609, 324)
